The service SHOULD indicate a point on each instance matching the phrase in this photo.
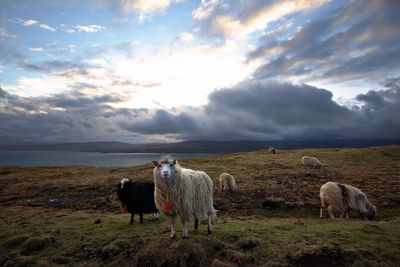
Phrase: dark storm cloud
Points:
(60, 118)
(163, 122)
(361, 38)
(254, 109)
(270, 110)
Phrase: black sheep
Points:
(137, 197)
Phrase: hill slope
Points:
(271, 220)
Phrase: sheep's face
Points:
(371, 211)
(165, 169)
(123, 181)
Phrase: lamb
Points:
(184, 192)
(312, 162)
(227, 182)
(137, 197)
(340, 198)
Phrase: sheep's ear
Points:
(155, 163)
(174, 161)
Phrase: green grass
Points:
(75, 237)
(271, 220)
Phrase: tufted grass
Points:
(271, 220)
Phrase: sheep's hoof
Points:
(185, 237)
(172, 237)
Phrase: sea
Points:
(95, 159)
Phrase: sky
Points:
(143, 71)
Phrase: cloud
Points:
(186, 37)
(31, 22)
(255, 109)
(238, 20)
(47, 27)
(359, 40)
(61, 118)
(261, 109)
(89, 28)
(145, 8)
(36, 49)
(4, 33)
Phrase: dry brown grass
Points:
(48, 214)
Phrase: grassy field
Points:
(52, 216)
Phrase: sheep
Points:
(340, 198)
(137, 197)
(226, 182)
(184, 192)
(312, 162)
(271, 150)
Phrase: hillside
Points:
(71, 216)
(196, 146)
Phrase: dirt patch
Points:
(323, 256)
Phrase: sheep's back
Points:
(139, 197)
(195, 189)
(332, 196)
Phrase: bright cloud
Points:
(145, 8)
(31, 22)
(126, 75)
(36, 49)
(89, 28)
(223, 19)
(186, 75)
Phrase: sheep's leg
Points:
(323, 206)
(330, 211)
(173, 230)
(346, 212)
(185, 231)
(132, 218)
(141, 217)
(210, 228)
(196, 224)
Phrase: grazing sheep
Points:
(226, 182)
(183, 192)
(272, 150)
(340, 198)
(137, 197)
(312, 162)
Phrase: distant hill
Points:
(84, 146)
(197, 146)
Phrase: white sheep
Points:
(227, 182)
(183, 192)
(312, 162)
(340, 198)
